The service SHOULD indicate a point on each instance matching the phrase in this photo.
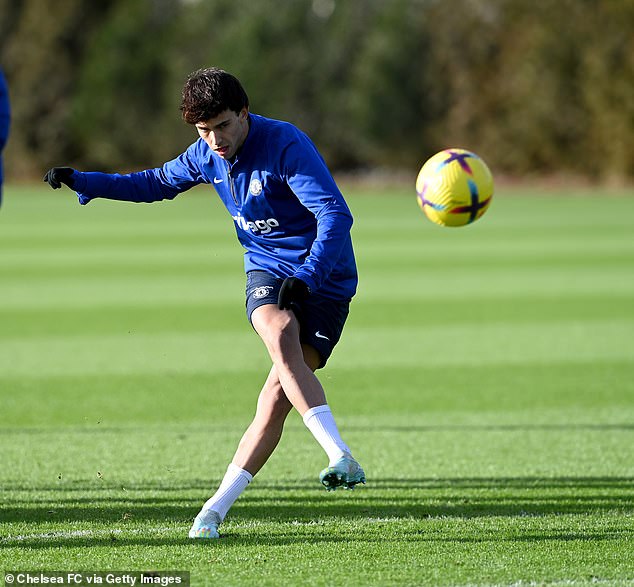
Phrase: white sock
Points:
(233, 484)
(321, 423)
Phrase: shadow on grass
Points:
(304, 506)
(373, 532)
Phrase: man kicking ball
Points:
(301, 274)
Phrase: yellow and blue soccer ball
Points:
(454, 187)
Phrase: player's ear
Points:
(244, 113)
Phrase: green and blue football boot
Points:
(346, 473)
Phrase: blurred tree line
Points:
(534, 87)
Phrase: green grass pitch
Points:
(485, 380)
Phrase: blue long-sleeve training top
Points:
(288, 212)
(5, 116)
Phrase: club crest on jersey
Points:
(261, 292)
(255, 187)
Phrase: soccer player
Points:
(4, 122)
(293, 222)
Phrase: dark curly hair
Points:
(208, 92)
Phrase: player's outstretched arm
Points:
(57, 176)
(150, 185)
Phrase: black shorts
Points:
(320, 319)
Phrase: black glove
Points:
(59, 175)
(293, 290)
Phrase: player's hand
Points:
(57, 176)
(293, 290)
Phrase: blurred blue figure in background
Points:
(4, 122)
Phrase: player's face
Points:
(226, 132)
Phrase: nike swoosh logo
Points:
(320, 335)
(216, 180)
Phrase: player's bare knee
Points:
(280, 408)
(281, 340)
(273, 405)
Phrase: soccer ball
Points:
(454, 187)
